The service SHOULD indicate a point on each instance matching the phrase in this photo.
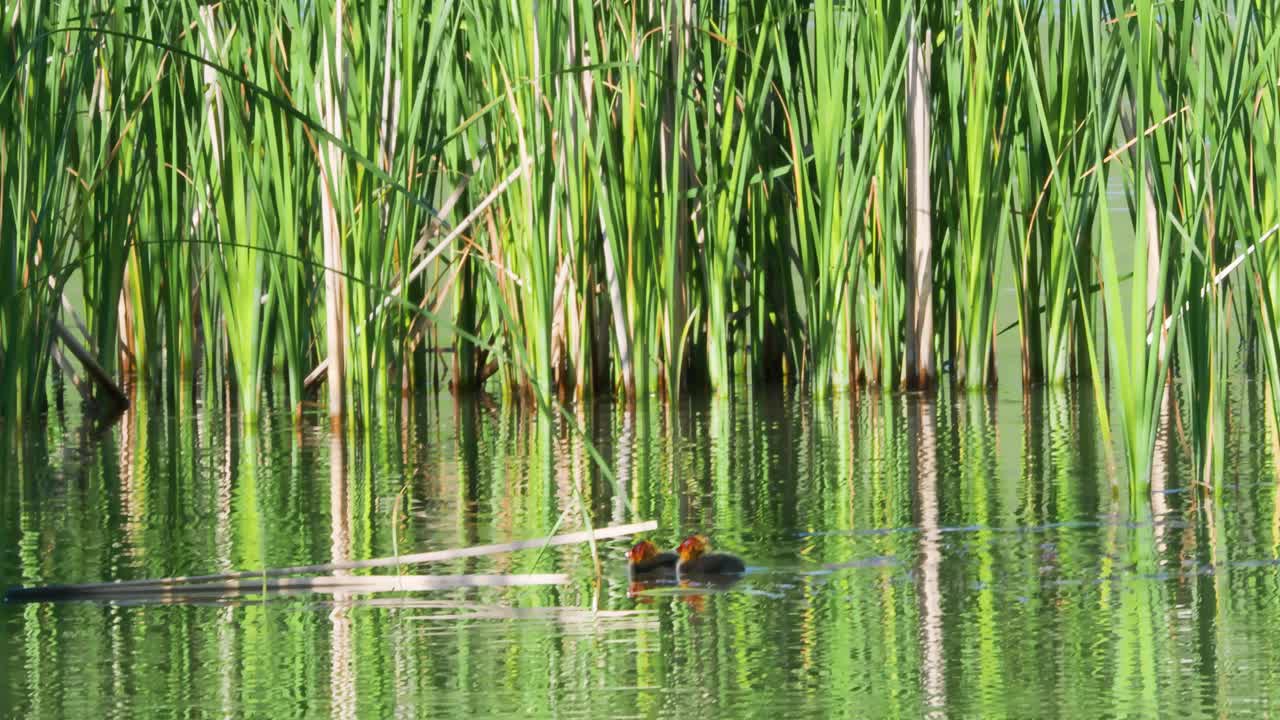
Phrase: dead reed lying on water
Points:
(274, 580)
(356, 584)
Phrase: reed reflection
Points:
(342, 660)
(896, 562)
(923, 464)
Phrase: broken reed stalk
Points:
(91, 366)
(323, 584)
(259, 577)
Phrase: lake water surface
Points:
(970, 557)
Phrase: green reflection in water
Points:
(973, 556)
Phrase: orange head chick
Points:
(693, 547)
(643, 551)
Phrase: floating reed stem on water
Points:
(358, 584)
(269, 579)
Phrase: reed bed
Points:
(620, 198)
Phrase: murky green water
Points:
(970, 558)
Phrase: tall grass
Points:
(976, 122)
(1057, 193)
(734, 73)
(841, 97)
(625, 198)
(1259, 159)
(41, 204)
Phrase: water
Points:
(974, 557)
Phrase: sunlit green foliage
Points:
(633, 198)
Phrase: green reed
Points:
(1189, 177)
(40, 205)
(735, 71)
(614, 198)
(1133, 329)
(1257, 158)
(1056, 195)
(1212, 196)
(839, 126)
(879, 256)
(976, 120)
(518, 49)
(625, 153)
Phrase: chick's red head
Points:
(642, 551)
(693, 546)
